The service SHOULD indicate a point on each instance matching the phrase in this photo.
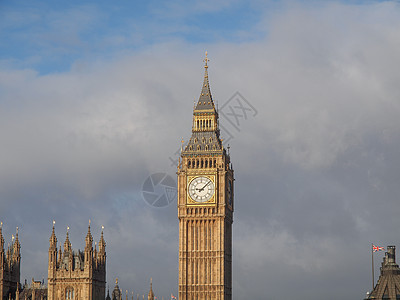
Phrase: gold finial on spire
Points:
(89, 222)
(12, 237)
(54, 222)
(116, 280)
(102, 228)
(1, 225)
(17, 230)
(182, 141)
(206, 60)
(67, 229)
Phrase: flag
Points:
(377, 248)
(172, 296)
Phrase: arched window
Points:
(189, 164)
(69, 293)
(206, 162)
(198, 147)
(203, 139)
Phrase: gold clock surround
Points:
(211, 201)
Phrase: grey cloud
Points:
(316, 170)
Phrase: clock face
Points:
(201, 189)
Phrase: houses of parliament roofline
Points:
(72, 274)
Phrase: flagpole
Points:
(372, 255)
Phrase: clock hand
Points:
(204, 186)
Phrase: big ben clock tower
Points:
(205, 207)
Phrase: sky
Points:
(95, 97)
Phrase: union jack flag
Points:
(377, 248)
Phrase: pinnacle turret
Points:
(67, 243)
(59, 256)
(151, 294)
(89, 239)
(53, 238)
(102, 242)
(1, 237)
(108, 294)
(16, 247)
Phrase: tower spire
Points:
(67, 243)
(53, 238)
(205, 100)
(1, 237)
(102, 243)
(89, 239)
(151, 294)
(16, 246)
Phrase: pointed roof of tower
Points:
(17, 245)
(59, 254)
(89, 239)
(389, 281)
(102, 242)
(205, 101)
(53, 238)
(108, 294)
(1, 237)
(205, 139)
(67, 243)
(151, 294)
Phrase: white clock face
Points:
(201, 189)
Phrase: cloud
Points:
(316, 169)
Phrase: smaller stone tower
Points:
(108, 295)
(151, 294)
(388, 285)
(77, 274)
(10, 262)
(116, 294)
